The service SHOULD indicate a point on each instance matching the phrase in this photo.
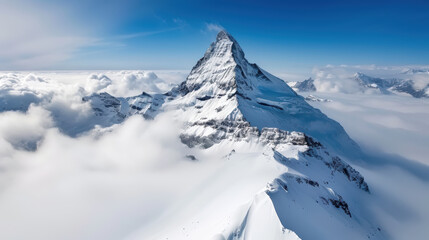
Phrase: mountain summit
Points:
(226, 89)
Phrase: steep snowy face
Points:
(225, 90)
(216, 71)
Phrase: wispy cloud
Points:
(175, 24)
(214, 27)
(145, 34)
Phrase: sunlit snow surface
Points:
(134, 181)
(106, 167)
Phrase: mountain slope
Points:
(228, 105)
(225, 89)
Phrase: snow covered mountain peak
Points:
(224, 47)
(225, 43)
(226, 97)
(224, 89)
(223, 34)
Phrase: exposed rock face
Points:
(305, 86)
(117, 109)
(144, 104)
(106, 107)
(217, 131)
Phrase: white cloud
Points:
(120, 183)
(214, 27)
(72, 182)
(137, 82)
(25, 130)
(390, 123)
(60, 94)
(120, 180)
(95, 83)
(18, 91)
(131, 83)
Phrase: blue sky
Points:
(280, 36)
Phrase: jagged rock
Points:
(118, 109)
(304, 86)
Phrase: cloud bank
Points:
(78, 188)
(130, 180)
(390, 123)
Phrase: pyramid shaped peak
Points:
(227, 44)
(224, 35)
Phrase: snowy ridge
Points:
(304, 86)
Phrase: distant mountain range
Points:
(392, 85)
(382, 85)
(304, 86)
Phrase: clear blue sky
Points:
(278, 35)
